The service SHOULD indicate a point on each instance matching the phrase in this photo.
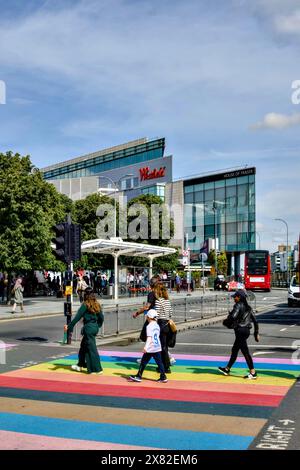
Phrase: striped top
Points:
(163, 308)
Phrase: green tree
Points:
(222, 262)
(29, 207)
(162, 232)
(85, 213)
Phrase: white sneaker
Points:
(172, 361)
(76, 368)
(97, 373)
(139, 360)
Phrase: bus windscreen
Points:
(257, 263)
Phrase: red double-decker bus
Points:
(257, 271)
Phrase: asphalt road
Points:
(35, 340)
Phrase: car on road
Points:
(234, 285)
(294, 292)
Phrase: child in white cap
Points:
(151, 349)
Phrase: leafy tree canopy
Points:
(29, 207)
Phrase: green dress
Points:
(88, 356)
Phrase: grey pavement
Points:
(37, 306)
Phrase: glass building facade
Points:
(97, 164)
(221, 206)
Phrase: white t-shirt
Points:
(153, 344)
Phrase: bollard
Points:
(118, 319)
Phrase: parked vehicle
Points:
(294, 292)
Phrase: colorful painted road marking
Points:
(49, 406)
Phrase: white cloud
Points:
(277, 121)
(289, 24)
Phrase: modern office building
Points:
(137, 167)
(221, 206)
(218, 206)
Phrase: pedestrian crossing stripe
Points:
(197, 409)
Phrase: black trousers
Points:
(146, 358)
(164, 330)
(241, 336)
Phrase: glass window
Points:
(251, 178)
(199, 197)
(209, 231)
(230, 204)
(231, 240)
(220, 184)
(242, 227)
(230, 191)
(209, 185)
(231, 228)
(209, 195)
(198, 187)
(136, 182)
(231, 182)
(242, 180)
(188, 198)
(189, 189)
(220, 194)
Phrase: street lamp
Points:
(215, 210)
(287, 249)
(116, 185)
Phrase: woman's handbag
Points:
(172, 326)
(228, 322)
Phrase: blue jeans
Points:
(157, 357)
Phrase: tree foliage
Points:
(29, 207)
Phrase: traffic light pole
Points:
(69, 289)
(68, 249)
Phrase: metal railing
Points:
(119, 319)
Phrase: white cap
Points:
(152, 313)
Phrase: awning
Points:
(117, 247)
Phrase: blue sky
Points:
(215, 78)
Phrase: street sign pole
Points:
(189, 276)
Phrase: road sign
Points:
(68, 290)
(203, 257)
(185, 261)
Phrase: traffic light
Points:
(75, 242)
(62, 242)
(67, 242)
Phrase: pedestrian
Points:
(17, 292)
(81, 287)
(240, 319)
(151, 349)
(91, 313)
(2, 288)
(177, 283)
(164, 313)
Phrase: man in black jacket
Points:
(241, 318)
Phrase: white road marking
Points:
(262, 346)
(262, 352)
(283, 329)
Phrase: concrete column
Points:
(150, 267)
(116, 272)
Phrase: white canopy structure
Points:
(117, 247)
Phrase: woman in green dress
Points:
(90, 312)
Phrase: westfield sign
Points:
(147, 174)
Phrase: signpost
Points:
(203, 258)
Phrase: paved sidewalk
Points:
(41, 306)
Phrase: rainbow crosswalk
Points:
(49, 406)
